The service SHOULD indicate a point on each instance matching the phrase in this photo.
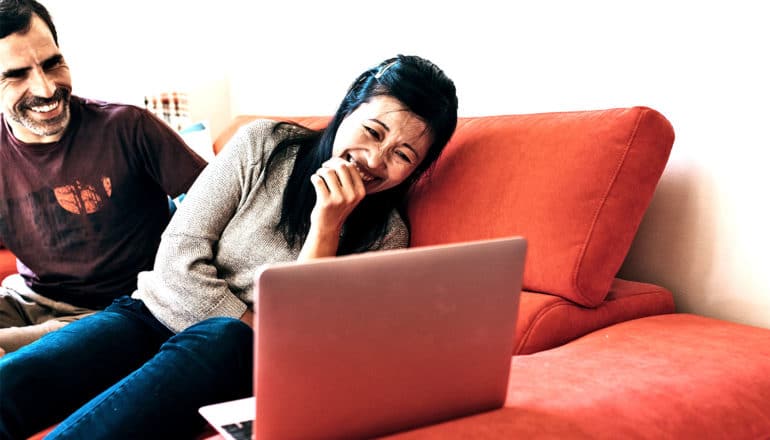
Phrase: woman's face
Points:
(384, 140)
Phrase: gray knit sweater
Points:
(224, 230)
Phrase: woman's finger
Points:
(321, 189)
(331, 178)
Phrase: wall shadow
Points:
(674, 246)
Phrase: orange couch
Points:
(7, 263)
(595, 356)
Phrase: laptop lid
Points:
(370, 344)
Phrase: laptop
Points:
(376, 343)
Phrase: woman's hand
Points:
(339, 189)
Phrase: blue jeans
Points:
(124, 375)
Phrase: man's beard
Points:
(48, 127)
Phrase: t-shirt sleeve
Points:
(166, 157)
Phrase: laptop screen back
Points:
(366, 345)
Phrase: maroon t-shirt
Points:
(84, 215)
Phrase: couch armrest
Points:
(7, 263)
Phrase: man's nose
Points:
(40, 84)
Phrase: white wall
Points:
(703, 65)
(124, 50)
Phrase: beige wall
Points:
(703, 65)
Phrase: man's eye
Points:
(53, 63)
(50, 66)
(13, 75)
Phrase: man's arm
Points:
(167, 158)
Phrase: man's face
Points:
(35, 85)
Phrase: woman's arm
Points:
(184, 287)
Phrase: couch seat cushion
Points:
(676, 376)
(547, 321)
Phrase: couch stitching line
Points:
(621, 161)
(541, 315)
(537, 318)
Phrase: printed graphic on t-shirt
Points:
(79, 198)
(61, 219)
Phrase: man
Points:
(83, 184)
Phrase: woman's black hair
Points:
(16, 16)
(425, 91)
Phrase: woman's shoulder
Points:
(256, 129)
(262, 135)
(271, 128)
(254, 140)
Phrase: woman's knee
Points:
(218, 351)
(218, 336)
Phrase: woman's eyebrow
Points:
(381, 123)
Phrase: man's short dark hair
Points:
(16, 16)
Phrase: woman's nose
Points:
(375, 158)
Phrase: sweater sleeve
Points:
(183, 288)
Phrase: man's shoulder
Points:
(120, 119)
(93, 107)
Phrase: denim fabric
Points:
(124, 375)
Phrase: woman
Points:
(277, 192)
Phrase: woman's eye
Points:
(372, 132)
(403, 156)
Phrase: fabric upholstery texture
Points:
(547, 321)
(576, 184)
(676, 376)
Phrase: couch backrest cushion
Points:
(576, 184)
